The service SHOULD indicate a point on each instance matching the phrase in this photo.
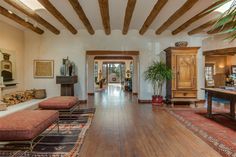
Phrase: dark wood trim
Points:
(187, 6)
(114, 62)
(91, 94)
(224, 51)
(80, 12)
(181, 48)
(128, 15)
(140, 101)
(104, 10)
(29, 12)
(201, 101)
(113, 58)
(19, 20)
(153, 14)
(49, 6)
(101, 52)
(83, 101)
(203, 13)
(135, 93)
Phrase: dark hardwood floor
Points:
(124, 128)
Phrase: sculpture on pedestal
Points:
(67, 68)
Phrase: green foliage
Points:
(227, 22)
(157, 73)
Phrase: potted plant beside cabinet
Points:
(157, 73)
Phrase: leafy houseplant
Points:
(226, 23)
(157, 73)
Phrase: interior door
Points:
(185, 71)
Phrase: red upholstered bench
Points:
(26, 125)
(60, 103)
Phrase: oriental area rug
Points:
(219, 132)
(66, 143)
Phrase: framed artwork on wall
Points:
(233, 69)
(43, 68)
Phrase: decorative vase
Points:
(157, 100)
(181, 44)
(154, 99)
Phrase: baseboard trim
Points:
(135, 93)
(90, 93)
(83, 101)
(140, 101)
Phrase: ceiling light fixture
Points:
(10, 11)
(32, 4)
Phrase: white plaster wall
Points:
(12, 39)
(50, 46)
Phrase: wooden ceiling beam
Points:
(224, 51)
(198, 16)
(49, 6)
(187, 6)
(128, 15)
(202, 27)
(220, 29)
(24, 9)
(104, 10)
(153, 14)
(19, 20)
(78, 9)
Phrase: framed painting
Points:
(43, 68)
(233, 69)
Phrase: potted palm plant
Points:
(225, 24)
(157, 73)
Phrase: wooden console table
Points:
(67, 84)
(220, 93)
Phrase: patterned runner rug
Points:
(219, 132)
(65, 144)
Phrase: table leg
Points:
(209, 105)
(232, 108)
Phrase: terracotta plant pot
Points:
(157, 100)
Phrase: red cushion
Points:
(57, 103)
(26, 124)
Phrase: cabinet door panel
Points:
(185, 71)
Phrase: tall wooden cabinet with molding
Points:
(183, 62)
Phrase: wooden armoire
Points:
(183, 62)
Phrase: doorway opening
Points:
(113, 73)
(112, 70)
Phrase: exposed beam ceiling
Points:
(24, 9)
(202, 27)
(78, 9)
(187, 6)
(198, 16)
(128, 15)
(225, 51)
(19, 20)
(153, 14)
(48, 5)
(104, 9)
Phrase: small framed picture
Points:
(233, 69)
(43, 68)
